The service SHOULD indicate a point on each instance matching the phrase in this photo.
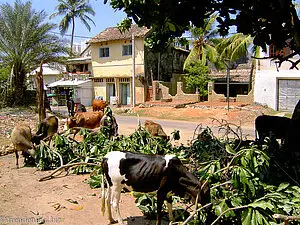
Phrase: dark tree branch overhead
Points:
(269, 22)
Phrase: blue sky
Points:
(105, 16)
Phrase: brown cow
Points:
(47, 128)
(98, 105)
(90, 120)
(21, 139)
(155, 129)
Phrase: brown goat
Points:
(21, 139)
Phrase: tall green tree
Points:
(203, 43)
(25, 42)
(231, 49)
(197, 77)
(71, 9)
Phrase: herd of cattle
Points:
(23, 139)
(139, 172)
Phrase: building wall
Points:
(100, 90)
(266, 80)
(117, 65)
(161, 92)
(266, 87)
(49, 78)
(84, 93)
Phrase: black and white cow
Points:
(148, 173)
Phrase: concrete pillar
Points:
(210, 88)
(155, 88)
(179, 88)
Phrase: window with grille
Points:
(103, 52)
(98, 80)
(124, 80)
(127, 50)
(110, 80)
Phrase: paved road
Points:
(128, 124)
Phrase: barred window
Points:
(127, 50)
(124, 80)
(110, 80)
(99, 80)
(103, 52)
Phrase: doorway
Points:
(125, 93)
(111, 91)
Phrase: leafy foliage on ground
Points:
(246, 187)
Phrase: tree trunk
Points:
(40, 93)
(72, 37)
(18, 88)
(158, 66)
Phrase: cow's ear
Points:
(185, 181)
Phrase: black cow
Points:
(71, 105)
(271, 126)
(147, 173)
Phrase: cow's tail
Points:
(102, 195)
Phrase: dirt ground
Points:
(25, 200)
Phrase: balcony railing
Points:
(77, 75)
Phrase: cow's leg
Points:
(17, 159)
(161, 196)
(116, 195)
(170, 211)
(108, 205)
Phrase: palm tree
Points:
(204, 42)
(25, 42)
(230, 50)
(72, 9)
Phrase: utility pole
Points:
(133, 70)
(228, 83)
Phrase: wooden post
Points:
(40, 93)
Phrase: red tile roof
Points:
(241, 74)
(113, 33)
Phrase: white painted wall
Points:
(266, 81)
(85, 93)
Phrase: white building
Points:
(51, 72)
(277, 88)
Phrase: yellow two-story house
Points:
(112, 65)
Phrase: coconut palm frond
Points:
(192, 57)
(212, 53)
(240, 47)
(209, 23)
(234, 47)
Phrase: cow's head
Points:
(70, 123)
(36, 139)
(186, 184)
